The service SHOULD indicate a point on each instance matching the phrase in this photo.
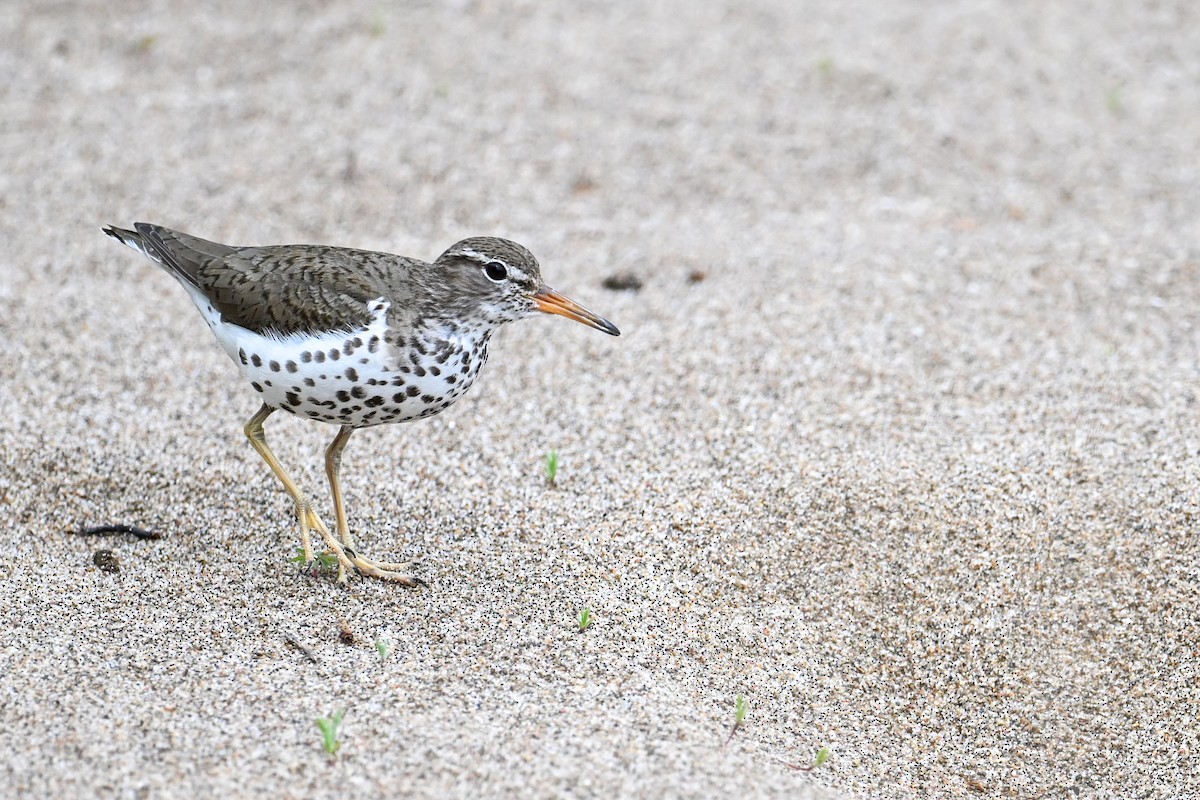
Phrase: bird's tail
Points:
(133, 239)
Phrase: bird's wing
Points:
(282, 290)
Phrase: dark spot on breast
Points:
(257, 388)
(255, 360)
(293, 398)
(319, 356)
(434, 371)
(372, 344)
(428, 399)
(451, 379)
(372, 402)
(446, 404)
(314, 413)
(406, 369)
(309, 382)
(335, 354)
(291, 366)
(419, 372)
(267, 383)
(306, 356)
(358, 392)
(465, 368)
(343, 397)
(412, 391)
(288, 409)
(242, 356)
(397, 381)
(364, 361)
(398, 397)
(274, 366)
(351, 375)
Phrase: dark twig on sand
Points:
(101, 530)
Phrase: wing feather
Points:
(282, 290)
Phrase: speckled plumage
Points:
(353, 337)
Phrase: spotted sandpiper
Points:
(353, 338)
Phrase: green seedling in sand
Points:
(384, 647)
(321, 562)
(552, 466)
(740, 709)
(822, 757)
(329, 731)
(1113, 101)
(585, 619)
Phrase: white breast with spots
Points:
(350, 377)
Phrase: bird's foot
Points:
(384, 570)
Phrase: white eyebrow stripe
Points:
(478, 256)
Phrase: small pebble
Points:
(622, 281)
(106, 560)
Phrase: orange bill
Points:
(551, 302)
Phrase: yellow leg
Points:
(304, 510)
(333, 468)
(374, 569)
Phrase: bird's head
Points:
(501, 281)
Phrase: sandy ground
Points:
(900, 442)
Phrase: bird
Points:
(353, 338)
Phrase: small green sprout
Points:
(1113, 101)
(552, 466)
(384, 647)
(321, 561)
(377, 25)
(329, 731)
(740, 709)
(822, 756)
(585, 619)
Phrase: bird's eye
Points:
(495, 271)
